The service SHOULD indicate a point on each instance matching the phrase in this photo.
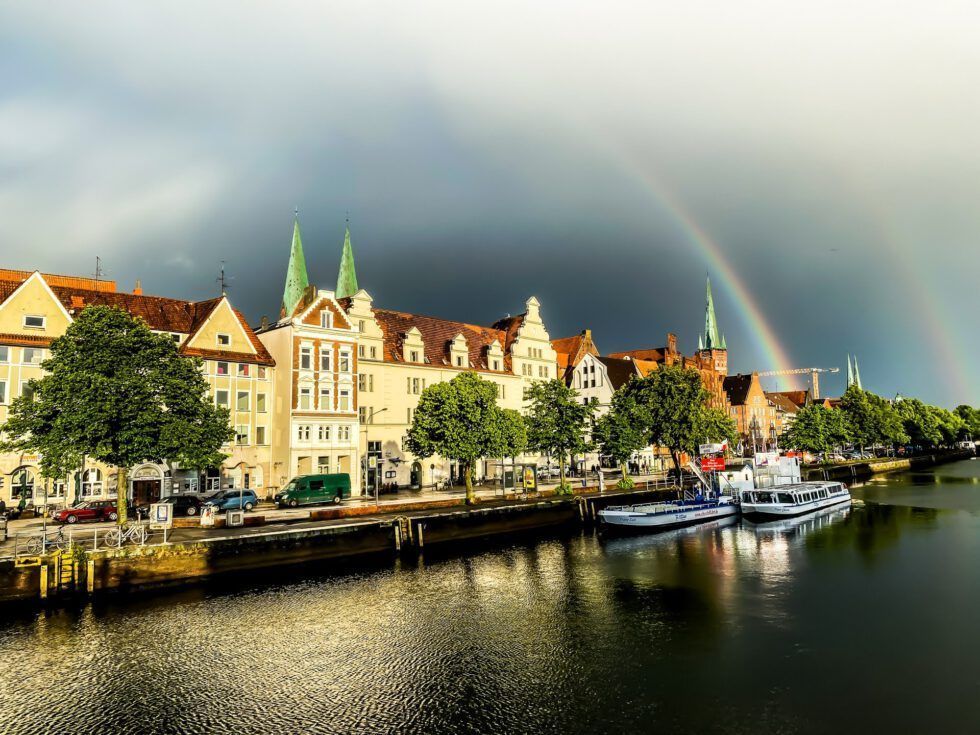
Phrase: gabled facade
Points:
(758, 419)
(37, 308)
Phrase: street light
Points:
(367, 459)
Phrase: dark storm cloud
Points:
(493, 151)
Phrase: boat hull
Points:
(615, 519)
(778, 510)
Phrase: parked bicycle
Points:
(135, 532)
(42, 544)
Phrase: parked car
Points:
(314, 490)
(92, 510)
(234, 500)
(184, 505)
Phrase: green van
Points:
(314, 490)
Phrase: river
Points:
(862, 620)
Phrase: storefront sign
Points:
(712, 464)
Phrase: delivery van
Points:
(314, 490)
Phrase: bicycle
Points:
(40, 544)
(135, 532)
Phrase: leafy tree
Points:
(120, 394)
(511, 438)
(971, 421)
(460, 420)
(817, 429)
(673, 408)
(557, 421)
(620, 432)
(920, 424)
(950, 424)
(871, 419)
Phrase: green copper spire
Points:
(711, 340)
(857, 374)
(296, 278)
(347, 276)
(850, 372)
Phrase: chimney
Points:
(264, 324)
(138, 291)
(671, 342)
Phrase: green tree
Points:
(620, 431)
(673, 408)
(510, 440)
(950, 424)
(817, 429)
(871, 419)
(971, 421)
(557, 422)
(458, 420)
(920, 424)
(120, 394)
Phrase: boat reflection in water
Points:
(799, 526)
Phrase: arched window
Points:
(22, 484)
(91, 483)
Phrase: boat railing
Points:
(663, 508)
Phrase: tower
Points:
(850, 372)
(711, 346)
(296, 279)
(347, 276)
(857, 374)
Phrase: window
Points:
(343, 400)
(176, 338)
(343, 433)
(496, 364)
(303, 433)
(221, 368)
(241, 434)
(326, 319)
(360, 350)
(362, 414)
(261, 373)
(305, 357)
(345, 362)
(360, 325)
(260, 402)
(374, 352)
(413, 356)
(3, 392)
(410, 414)
(325, 355)
(260, 436)
(305, 398)
(4, 353)
(221, 398)
(91, 483)
(241, 401)
(416, 386)
(326, 402)
(242, 370)
(365, 383)
(223, 340)
(33, 322)
(26, 390)
(323, 432)
(501, 391)
(33, 356)
(459, 361)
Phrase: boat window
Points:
(785, 498)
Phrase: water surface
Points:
(862, 620)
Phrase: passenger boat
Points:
(782, 501)
(671, 514)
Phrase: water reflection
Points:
(731, 627)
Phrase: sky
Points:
(820, 161)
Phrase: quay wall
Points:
(864, 470)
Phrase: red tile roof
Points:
(437, 334)
(159, 313)
(653, 354)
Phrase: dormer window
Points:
(460, 361)
(224, 340)
(326, 319)
(33, 322)
(413, 356)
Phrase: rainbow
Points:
(765, 336)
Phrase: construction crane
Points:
(813, 372)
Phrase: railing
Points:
(35, 542)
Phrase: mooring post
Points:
(398, 536)
(421, 541)
(90, 577)
(44, 581)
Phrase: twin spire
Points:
(853, 373)
(297, 279)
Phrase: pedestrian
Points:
(3, 507)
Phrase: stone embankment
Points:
(853, 471)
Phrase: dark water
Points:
(863, 621)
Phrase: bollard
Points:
(421, 541)
(90, 577)
(44, 581)
(398, 537)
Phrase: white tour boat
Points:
(782, 501)
(670, 514)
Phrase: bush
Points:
(625, 483)
(564, 489)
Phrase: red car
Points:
(93, 510)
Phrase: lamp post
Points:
(367, 459)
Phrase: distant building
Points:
(758, 420)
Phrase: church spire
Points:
(711, 339)
(850, 371)
(857, 374)
(347, 276)
(296, 279)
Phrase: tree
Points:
(620, 432)
(950, 424)
(120, 394)
(971, 421)
(459, 420)
(871, 419)
(920, 424)
(510, 440)
(817, 429)
(673, 408)
(557, 421)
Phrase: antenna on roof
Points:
(223, 280)
(99, 273)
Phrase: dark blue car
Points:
(234, 500)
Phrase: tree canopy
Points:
(817, 429)
(672, 406)
(620, 432)
(118, 393)
(557, 421)
(460, 420)
(871, 419)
